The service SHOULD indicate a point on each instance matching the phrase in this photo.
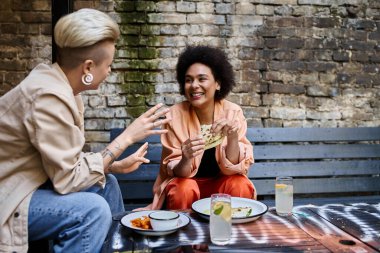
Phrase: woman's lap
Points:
(181, 190)
(76, 222)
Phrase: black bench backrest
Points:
(321, 160)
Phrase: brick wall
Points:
(298, 63)
(25, 39)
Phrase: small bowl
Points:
(164, 220)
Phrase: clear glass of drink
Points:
(220, 218)
(284, 195)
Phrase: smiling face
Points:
(200, 86)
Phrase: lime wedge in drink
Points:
(223, 210)
(218, 208)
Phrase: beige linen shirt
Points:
(184, 123)
(41, 137)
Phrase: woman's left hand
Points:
(132, 162)
(226, 127)
(229, 128)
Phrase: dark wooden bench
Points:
(326, 163)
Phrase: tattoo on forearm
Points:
(118, 146)
(109, 153)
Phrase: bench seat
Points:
(326, 163)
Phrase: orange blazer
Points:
(184, 123)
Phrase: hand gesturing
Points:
(226, 127)
(147, 124)
(132, 162)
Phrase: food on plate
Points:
(241, 212)
(210, 139)
(237, 212)
(142, 222)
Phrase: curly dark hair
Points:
(212, 57)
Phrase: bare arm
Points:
(229, 128)
(232, 149)
(145, 125)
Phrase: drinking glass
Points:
(284, 195)
(220, 218)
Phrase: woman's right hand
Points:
(147, 124)
(192, 147)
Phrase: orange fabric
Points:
(182, 192)
(184, 123)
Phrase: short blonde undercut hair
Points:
(84, 28)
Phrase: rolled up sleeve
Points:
(245, 161)
(245, 152)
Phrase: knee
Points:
(98, 212)
(239, 186)
(182, 186)
(181, 193)
(90, 221)
(236, 179)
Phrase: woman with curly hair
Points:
(205, 150)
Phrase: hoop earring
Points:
(87, 79)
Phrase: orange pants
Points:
(182, 192)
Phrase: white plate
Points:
(126, 221)
(202, 207)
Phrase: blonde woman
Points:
(49, 187)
